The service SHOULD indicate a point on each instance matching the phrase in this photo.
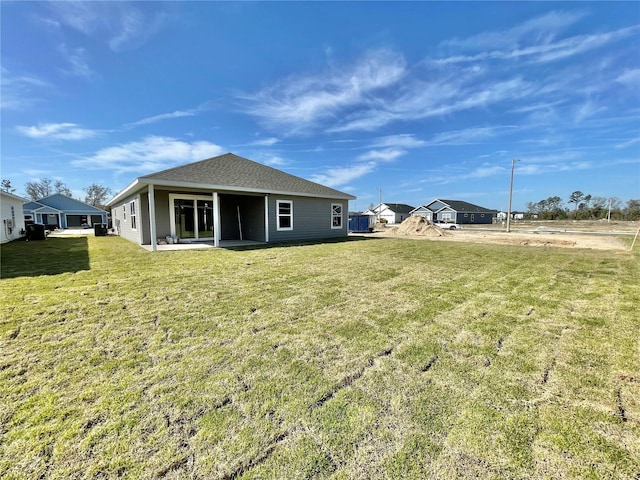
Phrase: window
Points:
(336, 215)
(284, 209)
(446, 217)
(124, 212)
(132, 212)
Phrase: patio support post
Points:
(216, 220)
(266, 218)
(152, 218)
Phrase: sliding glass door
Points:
(192, 216)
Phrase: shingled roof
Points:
(232, 172)
(460, 206)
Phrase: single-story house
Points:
(60, 211)
(227, 198)
(12, 216)
(455, 211)
(391, 212)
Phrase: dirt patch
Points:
(422, 229)
(416, 225)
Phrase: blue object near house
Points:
(60, 211)
(360, 223)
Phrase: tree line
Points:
(95, 194)
(585, 207)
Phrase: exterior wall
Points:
(423, 212)
(475, 218)
(10, 216)
(163, 219)
(446, 215)
(311, 219)
(121, 217)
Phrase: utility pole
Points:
(513, 164)
(379, 203)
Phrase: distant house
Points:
(391, 212)
(227, 198)
(12, 217)
(60, 211)
(502, 216)
(455, 211)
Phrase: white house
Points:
(12, 217)
(391, 212)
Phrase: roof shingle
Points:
(235, 172)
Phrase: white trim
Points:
(216, 220)
(195, 198)
(341, 226)
(133, 216)
(278, 227)
(152, 218)
(266, 218)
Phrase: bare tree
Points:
(39, 189)
(60, 187)
(96, 195)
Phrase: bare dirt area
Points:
(592, 235)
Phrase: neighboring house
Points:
(455, 211)
(502, 216)
(391, 212)
(227, 198)
(12, 217)
(61, 211)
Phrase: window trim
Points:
(341, 216)
(132, 215)
(280, 215)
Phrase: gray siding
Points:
(121, 218)
(311, 219)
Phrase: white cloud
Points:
(162, 116)
(469, 135)
(304, 101)
(630, 78)
(386, 155)
(399, 141)
(150, 154)
(19, 91)
(339, 176)
(274, 161)
(57, 131)
(542, 28)
(586, 110)
(76, 57)
(265, 142)
(628, 143)
(121, 24)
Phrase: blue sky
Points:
(420, 100)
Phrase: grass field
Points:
(379, 358)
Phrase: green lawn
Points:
(381, 358)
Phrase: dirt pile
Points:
(417, 225)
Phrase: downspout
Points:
(266, 218)
(152, 218)
(216, 220)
